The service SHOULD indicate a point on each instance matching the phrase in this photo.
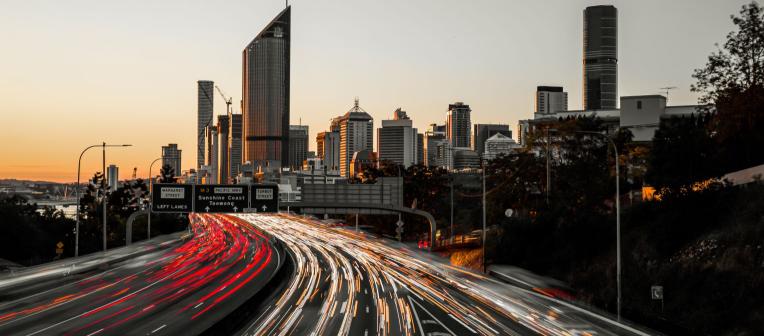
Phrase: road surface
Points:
(182, 289)
(348, 283)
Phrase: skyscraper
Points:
(458, 124)
(171, 156)
(551, 99)
(600, 57)
(329, 149)
(212, 160)
(433, 137)
(204, 118)
(482, 132)
(223, 143)
(112, 177)
(234, 147)
(397, 140)
(356, 134)
(298, 145)
(265, 94)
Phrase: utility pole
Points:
(617, 217)
(484, 217)
(103, 184)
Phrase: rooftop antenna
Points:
(667, 90)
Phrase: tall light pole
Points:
(77, 193)
(103, 183)
(151, 194)
(485, 166)
(617, 218)
(548, 170)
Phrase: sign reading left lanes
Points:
(172, 198)
(220, 198)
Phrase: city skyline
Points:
(89, 97)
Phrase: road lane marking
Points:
(95, 332)
(158, 329)
(462, 323)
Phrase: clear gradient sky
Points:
(75, 72)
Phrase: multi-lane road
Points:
(285, 275)
(348, 283)
(182, 289)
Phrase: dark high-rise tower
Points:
(600, 57)
(204, 119)
(265, 95)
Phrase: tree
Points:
(682, 154)
(733, 81)
(167, 174)
(740, 64)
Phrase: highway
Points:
(183, 288)
(349, 283)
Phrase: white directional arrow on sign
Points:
(265, 207)
(207, 209)
(235, 208)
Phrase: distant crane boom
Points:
(228, 100)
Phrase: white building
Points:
(640, 114)
(551, 99)
(397, 140)
(499, 144)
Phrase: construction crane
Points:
(228, 100)
(667, 89)
(135, 172)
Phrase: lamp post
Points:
(617, 218)
(151, 194)
(77, 193)
(548, 171)
(485, 166)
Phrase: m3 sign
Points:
(220, 198)
(214, 198)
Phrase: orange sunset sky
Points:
(75, 73)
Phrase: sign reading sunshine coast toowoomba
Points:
(221, 198)
(225, 198)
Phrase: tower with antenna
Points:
(667, 89)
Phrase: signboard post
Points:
(59, 249)
(656, 293)
(168, 198)
(264, 197)
(220, 198)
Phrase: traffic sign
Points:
(220, 198)
(656, 292)
(264, 197)
(172, 198)
(59, 248)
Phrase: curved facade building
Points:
(265, 95)
(600, 58)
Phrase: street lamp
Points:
(617, 217)
(151, 193)
(548, 171)
(485, 166)
(77, 192)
